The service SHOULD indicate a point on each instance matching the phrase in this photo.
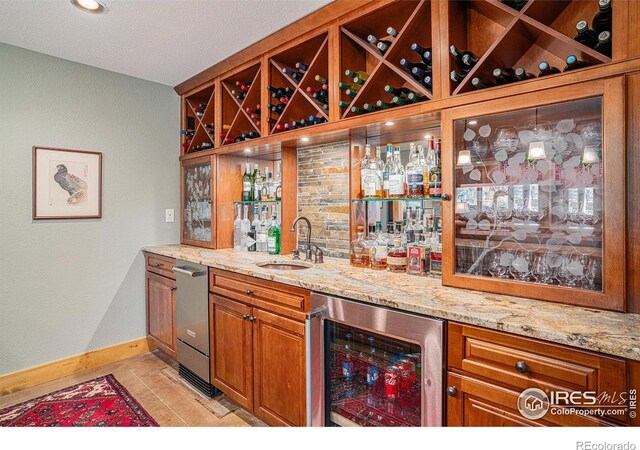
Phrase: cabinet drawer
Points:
(521, 363)
(266, 294)
(161, 265)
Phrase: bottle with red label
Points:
(435, 172)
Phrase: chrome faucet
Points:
(308, 253)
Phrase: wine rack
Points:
(301, 104)
(239, 103)
(198, 121)
(412, 22)
(503, 37)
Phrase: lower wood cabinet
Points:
(161, 312)
(259, 360)
(488, 370)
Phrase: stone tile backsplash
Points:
(323, 196)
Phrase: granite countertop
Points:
(602, 331)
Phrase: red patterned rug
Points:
(101, 402)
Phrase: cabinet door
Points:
(279, 370)
(231, 349)
(538, 196)
(197, 191)
(161, 312)
(474, 403)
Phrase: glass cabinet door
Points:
(529, 205)
(197, 222)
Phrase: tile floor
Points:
(153, 380)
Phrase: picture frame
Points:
(67, 184)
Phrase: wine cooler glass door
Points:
(382, 368)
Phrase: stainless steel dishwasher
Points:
(192, 320)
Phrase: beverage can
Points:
(407, 373)
(347, 370)
(391, 382)
(372, 375)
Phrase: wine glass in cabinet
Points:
(538, 195)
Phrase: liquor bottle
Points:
(258, 181)
(522, 74)
(397, 256)
(365, 167)
(586, 35)
(245, 226)
(377, 165)
(379, 250)
(604, 43)
(256, 217)
(293, 74)
(247, 184)
(251, 239)
(273, 237)
(465, 60)
(547, 69)
(264, 194)
(360, 249)
(456, 77)
(360, 74)
(435, 175)
(409, 66)
(479, 84)
(424, 52)
(573, 63)
(386, 170)
(435, 257)
(261, 233)
(237, 229)
(602, 20)
(504, 76)
(396, 176)
(277, 182)
(373, 179)
(415, 173)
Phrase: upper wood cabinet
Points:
(197, 189)
(538, 195)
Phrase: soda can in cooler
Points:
(347, 370)
(391, 382)
(407, 373)
(372, 375)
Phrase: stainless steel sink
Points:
(285, 265)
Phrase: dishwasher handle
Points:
(190, 273)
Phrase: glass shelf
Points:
(257, 202)
(401, 199)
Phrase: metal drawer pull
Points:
(190, 273)
(245, 316)
(252, 319)
(522, 367)
(249, 292)
(452, 391)
(158, 265)
(173, 289)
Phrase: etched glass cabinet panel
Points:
(531, 202)
(197, 221)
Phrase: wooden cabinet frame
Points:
(612, 297)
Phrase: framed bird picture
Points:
(67, 184)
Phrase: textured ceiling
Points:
(167, 41)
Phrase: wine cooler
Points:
(372, 366)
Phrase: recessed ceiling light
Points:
(388, 124)
(92, 6)
(427, 136)
(305, 139)
(247, 150)
(472, 122)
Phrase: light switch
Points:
(170, 215)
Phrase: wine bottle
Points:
(302, 67)
(602, 20)
(321, 79)
(400, 101)
(400, 92)
(384, 105)
(427, 82)
(515, 4)
(479, 84)
(383, 47)
(586, 35)
(414, 96)
(409, 65)
(424, 52)
(547, 69)
(465, 60)
(351, 93)
(456, 77)
(356, 110)
(280, 91)
(358, 80)
(345, 86)
(392, 32)
(360, 74)
(419, 74)
(522, 74)
(573, 63)
(293, 74)
(370, 108)
(343, 104)
(604, 43)
(504, 76)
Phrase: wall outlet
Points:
(170, 216)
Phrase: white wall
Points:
(70, 286)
